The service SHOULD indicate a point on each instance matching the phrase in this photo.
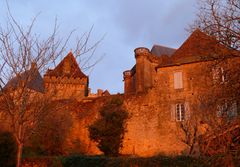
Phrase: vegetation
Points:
(219, 109)
(163, 161)
(108, 131)
(24, 55)
(8, 149)
(220, 18)
(51, 132)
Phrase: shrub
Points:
(108, 131)
(8, 149)
(50, 134)
(163, 161)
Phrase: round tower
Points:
(127, 78)
(141, 55)
(141, 51)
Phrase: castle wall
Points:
(149, 130)
(152, 128)
(66, 88)
(78, 140)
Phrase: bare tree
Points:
(52, 130)
(188, 133)
(23, 54)
(220, 18)
(214, 122)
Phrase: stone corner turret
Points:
(127, 74)
(141, 51)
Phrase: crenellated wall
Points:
(66, 87)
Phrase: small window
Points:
(180, 112)
(228, 109)
(178, 82)
(219, 75)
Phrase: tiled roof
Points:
(159, 50)
(198, 47)
(31, 78)
(74, 70)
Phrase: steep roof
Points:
(198, 46)
(74, 70)
(159, 50)
(31, 78)
(106, 93)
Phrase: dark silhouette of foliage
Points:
(165, 161)
(108, 131)
(8, 149)
(51, 132)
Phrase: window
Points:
(228, 109)
(180, 112)
(219, 75)
(178, 82)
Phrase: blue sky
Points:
(126, 24)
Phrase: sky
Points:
(124, 24)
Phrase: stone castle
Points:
(67, 80)
(165, 87)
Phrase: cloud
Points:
(127, 24)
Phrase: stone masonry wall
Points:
(149, 130)
(67, 88)
(152, 128)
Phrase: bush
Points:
(84, 161)
(50, 134)
(163, 161)
(108, 131)
(8, 149)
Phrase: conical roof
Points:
(67, 67)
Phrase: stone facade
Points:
(67, 81)
(140, 77)
(163, 89)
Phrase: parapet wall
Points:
(67, 80)
(66, 87)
